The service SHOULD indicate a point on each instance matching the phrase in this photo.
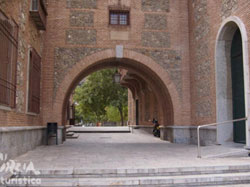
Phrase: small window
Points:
(34, 82)
(118, 17)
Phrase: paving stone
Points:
(130, 151)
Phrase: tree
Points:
(113, 113)
(97, 93)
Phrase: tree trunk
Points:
(121, 114)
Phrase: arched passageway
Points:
(232, 81)
(140, 81)
(142, 76)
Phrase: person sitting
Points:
(156, 130)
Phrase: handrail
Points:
(212, 124)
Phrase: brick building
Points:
(178, 58)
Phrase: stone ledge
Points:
(66, 127)
(2, 107)
(247, 147)
(24, 128)
(61, 127)
(141, 126)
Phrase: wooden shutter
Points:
(34, 82)
(8, 60)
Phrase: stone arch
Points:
(106, 59)
(223, 75)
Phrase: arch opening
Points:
(143, 84)
(231, 81)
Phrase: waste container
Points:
(52, 131)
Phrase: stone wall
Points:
(155, 21)
(151, 6)
(228, 7)
(66, 58)
(169, 60)
(86, 4)
(201, 64)
(155, 39)
(156, 35)
(80, 36)
(203, 60)
(15, 141)
(81, 19)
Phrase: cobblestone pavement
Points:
(126, 150)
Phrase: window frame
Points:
(30, 90)
(119, 13)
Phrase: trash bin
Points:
(52, 131)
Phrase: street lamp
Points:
(117, 77)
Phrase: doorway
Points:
(238, 100)
(232, 87)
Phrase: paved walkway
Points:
(126, 150)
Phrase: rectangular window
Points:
(8, 60)
(118, 17)
(34, 82)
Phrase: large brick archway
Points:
(141, 64)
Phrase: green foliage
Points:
(98, 95)
(113, 113)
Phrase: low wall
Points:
(15, 141)
(142, 129)
(188, 134)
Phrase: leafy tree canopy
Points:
(98, 98)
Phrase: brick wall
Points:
(179, 36)
(78, 29)
(205, 19)
(28, 36)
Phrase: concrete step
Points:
(75, 136)
(182, 176)
(177, 181)
(123, 129)
(178, 171)
(69, 133)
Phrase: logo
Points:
(15, 168)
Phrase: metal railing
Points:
(7, 93)
(212, 124)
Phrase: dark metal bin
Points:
(52, 131)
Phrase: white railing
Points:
(212, 124)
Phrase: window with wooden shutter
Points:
(34, 82)
(8, 60)
(38, 12)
